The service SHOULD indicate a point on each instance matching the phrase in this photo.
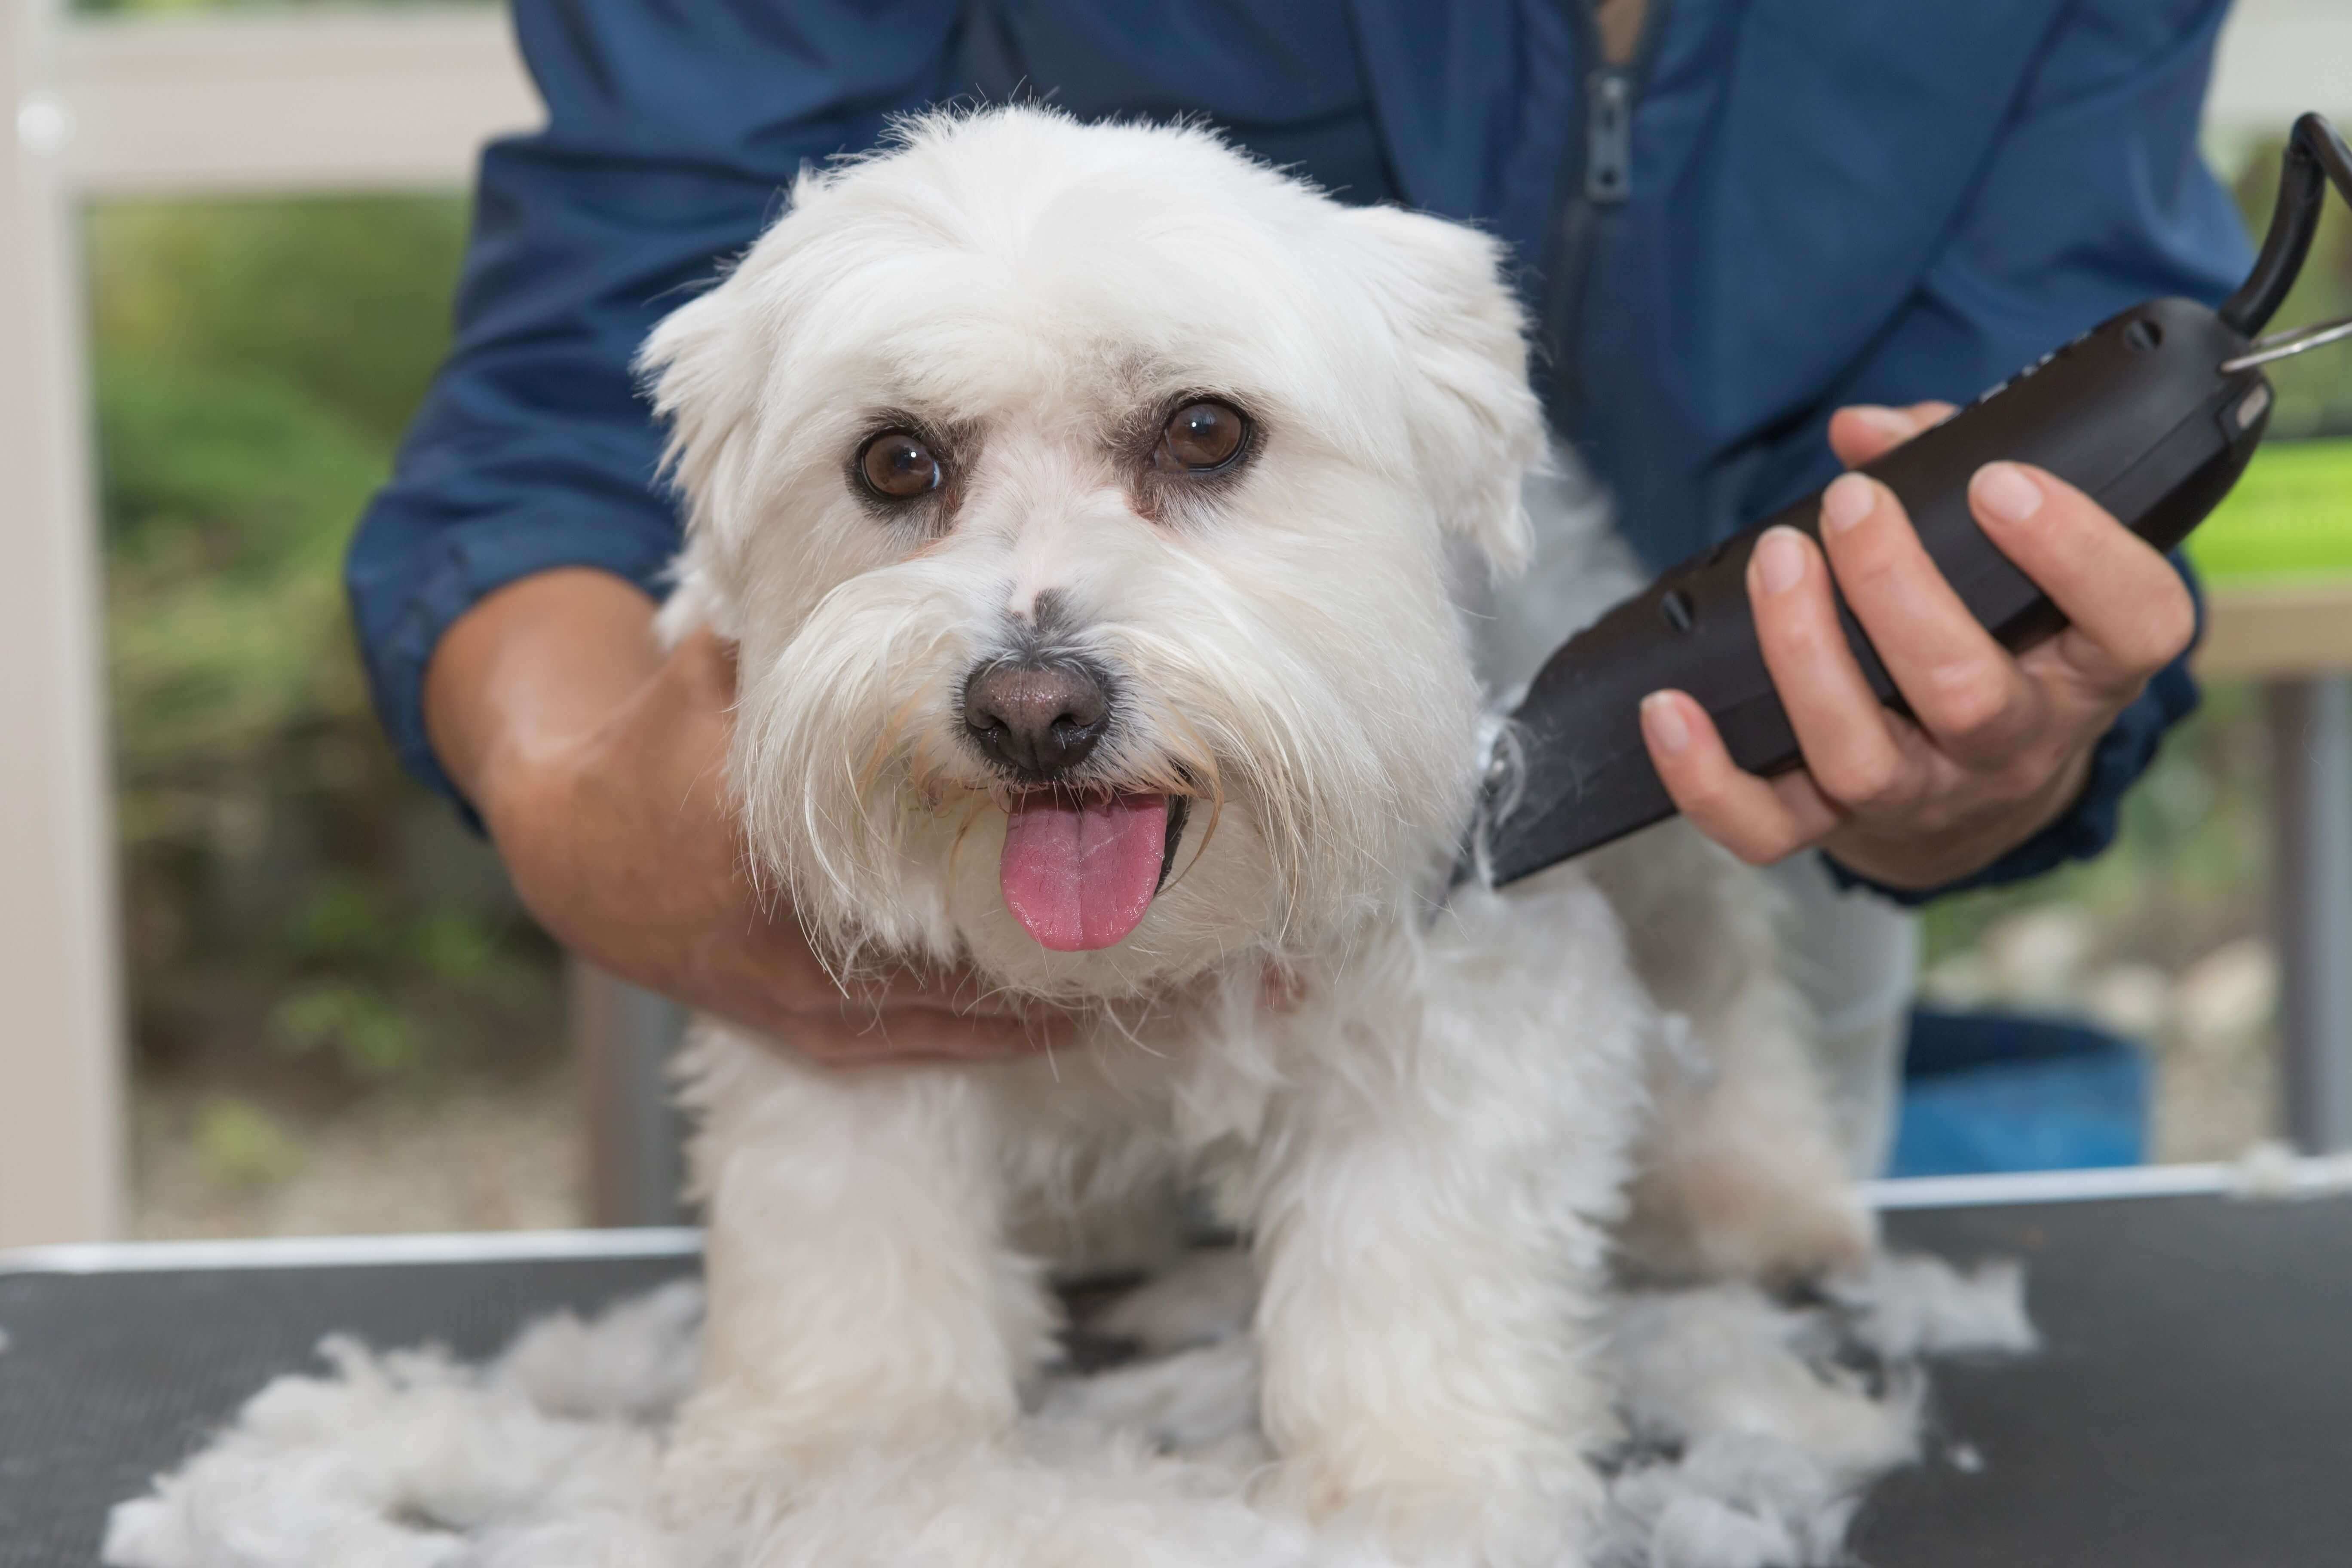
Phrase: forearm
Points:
(538, 666)
(595, 758)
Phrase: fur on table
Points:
(1751, 1429)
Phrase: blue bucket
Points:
(1997, 1091)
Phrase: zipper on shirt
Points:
(1605, 163)
(1609, 136)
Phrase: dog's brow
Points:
(1052, 615)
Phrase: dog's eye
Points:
(896, 466)
(1202, 437)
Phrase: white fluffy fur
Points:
(1037, 285)
(1749, 1447)
(1431, 1148)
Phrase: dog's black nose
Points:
(1039, 720)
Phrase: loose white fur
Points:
(2273, 1170)
(1747, 1446)
(1433, 1146)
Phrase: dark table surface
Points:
(2192, 1409)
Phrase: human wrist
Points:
(521, 683)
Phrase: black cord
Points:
(2315, 158)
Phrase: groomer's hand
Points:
(2002, 741)
(598, 764)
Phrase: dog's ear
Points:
(1477, 429)
(704, 366)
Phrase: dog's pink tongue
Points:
(1079, 872)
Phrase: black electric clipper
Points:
(2154, 413)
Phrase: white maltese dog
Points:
(1090, 507)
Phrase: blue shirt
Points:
(1778, 207)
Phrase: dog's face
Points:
(1080, 501)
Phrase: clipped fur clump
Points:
(1749, 1443)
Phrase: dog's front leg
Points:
(860, 1287)
(1739, 1172)
(1431, 1228)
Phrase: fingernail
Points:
(1847, 502)
(1885, 420)
(2007, 491)
(1779, 560)
(1664, 720)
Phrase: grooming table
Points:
(2192, 1406)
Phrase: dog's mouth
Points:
(1080, 869)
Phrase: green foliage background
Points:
(256, 363)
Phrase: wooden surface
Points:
(2257, 632)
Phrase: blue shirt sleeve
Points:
(672, 133)
(2096, 197)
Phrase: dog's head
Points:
(1081, 500)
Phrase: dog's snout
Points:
(1039, 720)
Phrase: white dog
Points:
(1088, 507)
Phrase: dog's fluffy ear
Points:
(1477, 429)
(703, 366)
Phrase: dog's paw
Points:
(1707, 1216)
(731, 1458)
(722, 1468)
(1194, 1401)
(1207, 1296)
(1541, 1516)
